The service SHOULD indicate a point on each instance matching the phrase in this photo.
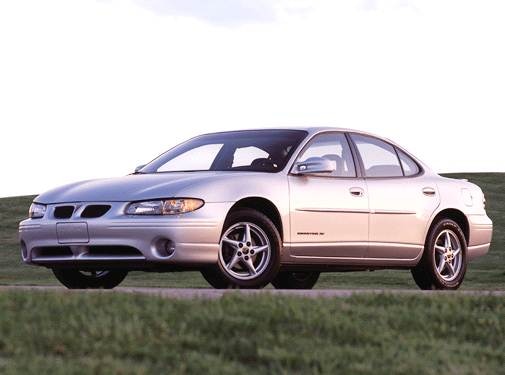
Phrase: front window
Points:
(334, 147)
(251, 150)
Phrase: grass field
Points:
(70, 333)
(485, 273)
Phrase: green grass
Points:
(71, 333)
(485, 273)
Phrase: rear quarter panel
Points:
(467, 198)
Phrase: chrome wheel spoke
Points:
(94, 274)
(447, 240)
(260, 249)
(247, 234)
(231, 242)
(440, 249)
(233, 262)
(456, 252)
(250, 266)
(441, 264)
(451, 268)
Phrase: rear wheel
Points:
(443, 265)
(76, 279)
(295, 280)
(249, 254)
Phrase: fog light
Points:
(164, 248)
(169, 248)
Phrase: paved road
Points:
(215, 293)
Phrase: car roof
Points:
(309, 129)
(319, 129)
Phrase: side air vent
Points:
(95, 210)
(63, 212)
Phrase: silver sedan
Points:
(248, 208)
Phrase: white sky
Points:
(93, 89)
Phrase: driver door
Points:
(329, 212)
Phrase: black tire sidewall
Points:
(287, 280)
(215, 278)
(74, 279)
(261, 220)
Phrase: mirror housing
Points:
(315, 165)
(139, 168)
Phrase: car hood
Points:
(129, 188)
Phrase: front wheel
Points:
(249, 254)
(295, 280)
(215, 278)
(443, 265)
(77, 279)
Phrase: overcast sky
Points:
(93, 89)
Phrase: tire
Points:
(76, 279)
(444, 261)
(215, 278)
(253, 260)
(295, 280)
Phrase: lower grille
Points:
(115, 251)
(86, 253)
(52, 252)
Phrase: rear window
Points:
(379, 158)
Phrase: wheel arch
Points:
(453, 214)
(263, 205)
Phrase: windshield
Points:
(250, 150)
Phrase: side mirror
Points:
(315, 165)
(139, 168)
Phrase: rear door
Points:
(329, 212)
(401, 199)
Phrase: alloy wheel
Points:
(448, 255)
(94, 274)
(245, 251)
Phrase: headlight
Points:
(37, 211)
(164, 206)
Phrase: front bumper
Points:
(119, 240)
(481, 233)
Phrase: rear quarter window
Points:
(410, 167)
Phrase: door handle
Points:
(357, 192)
(429, 191)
